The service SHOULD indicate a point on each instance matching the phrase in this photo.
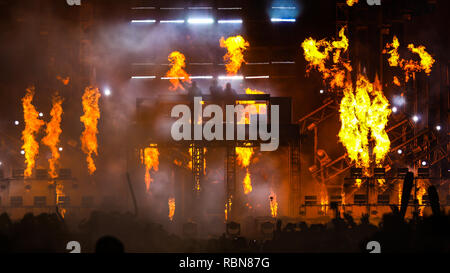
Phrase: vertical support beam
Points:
(230, 178)
(294, 178)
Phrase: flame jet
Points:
(32, 127)
(409, 66)
(273, 204)
(176, 73)
(364, 110)
(244, 155)
(90, 120)
(171, 204)
(318, 53)
(234, 58)
(151, 161)
(53, 132)
(351, 2)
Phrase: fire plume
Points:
(171, 204)
(273, 204)
(318, 53)
(64, 81)
(176, 73)
(151, 161)
(234, 57)
(90, 120)
(409, 66)
(352, 2)
(53, 132)
(32, 127)
(364, 112)
(248, 183)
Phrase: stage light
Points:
(41, 114)
(284, 7)
(322, 91)
(200, 21)
(424, 163)
(282, 20)
(438, 127)
(200, 77)
(60, 149)
(379, 172)
(399, 151)
(257, 77)
(143, 21)
(230, 77)
(22, 152)
(233, 21)
(172, 21)
(356, 173)
(401, 172)
(423, 172)
(415, 118)
(1, 163)
(107, 92)
(394, 109)
(143, 77)
(16, 122)
(399, 100)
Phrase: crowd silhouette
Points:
(106, 232)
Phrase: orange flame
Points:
(273, 204)
(248, 183)
(171, 208)
(53, 132)
(176, 73)
(32, 127)
(60, 193)
(90, 120)
(151, 161)
(64, 81)
(409, 66)
(317, 53)
(352, 2)
(360, 115)
(234, 57)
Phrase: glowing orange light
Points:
(53, 132)
(234, 57)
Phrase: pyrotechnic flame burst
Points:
(90, 120)
(317, 53)
(352, 2)
(171, 204)
(176, 73)
(234, 58)
(32, 127)
(151, 161)
(273, 204)
(364, 110)
(409, 66)
(53, 132)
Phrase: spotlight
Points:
(1, 163)
(379, 172)
(41, 114)
(200, 21)
(394, 109)
(356, 173)
(415, 118)
(236, 21)
(401, 172)
(322, 91)
(172, 21)
(399, 100)
(16, 122)
(282, 20)
(438, 127)
(22, 152)
(424, 163)
(423, 172)
(107, 92)
(399, 151)
(143, 21)
(60, 149)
